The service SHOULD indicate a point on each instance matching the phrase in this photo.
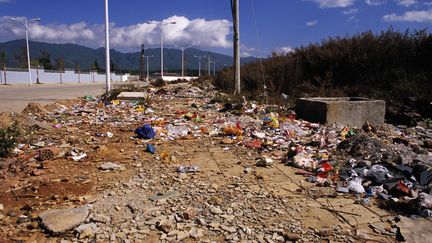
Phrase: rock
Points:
(215, 210)
(401, 140)
(1, 207)
(62, 220)
(216, 200)
(201, 221)
(172, 233)
(190, 213)
(182, 235)
(33, 225)
(163, 196)
(86, 230)
(165, 225)
(132, 208)
(100, 218)
(291, 236)
(428, 143)
(11, 213)
(110, 166)
(196, 233)
(228, 229)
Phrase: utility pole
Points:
(141, 74)
(107, 50)
(214, 67)
(208, 64)
(236, 44)
(147, 62)
(199, 65)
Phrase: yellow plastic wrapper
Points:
(139, 108)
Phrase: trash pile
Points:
(392, 165)
(389, 165)
(397, 170)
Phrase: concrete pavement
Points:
(14, 98)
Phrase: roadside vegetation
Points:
(390, 65)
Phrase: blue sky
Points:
(265, 26)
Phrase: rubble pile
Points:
(188, 163)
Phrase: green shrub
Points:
(389, 65)
(8, 138)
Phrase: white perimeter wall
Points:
(21, 77)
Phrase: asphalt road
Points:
(14, 98)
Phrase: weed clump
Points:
(8, 138)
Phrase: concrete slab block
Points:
(352, 111)
(132, 96)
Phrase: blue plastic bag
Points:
(151, 149)
(145, 132)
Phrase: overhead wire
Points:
(259, 51)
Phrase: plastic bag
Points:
(145, 132)
(151, 149)
(355, 185)
(177, 131)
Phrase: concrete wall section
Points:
(68, 76)
(349, 111)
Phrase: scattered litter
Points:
(187, 169)
(145, 132)
(150, 148)
(110, 166)
(264, 162)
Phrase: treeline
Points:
(390, 65)
(45, 61)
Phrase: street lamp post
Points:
(24, 21)
(107, 50)
(147, 62)
(162, 34)
(199, 64)
(214, 68)
(182, 62)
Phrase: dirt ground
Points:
(228, 199)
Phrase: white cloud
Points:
(334, 3)
(284, 50)
(245, 54)
(350, 11)
(375, 2)
(353, 19)
(312, 23)
(406, 3)
(5, 1)
(424, 16)
(197, 32)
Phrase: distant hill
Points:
(84, 56)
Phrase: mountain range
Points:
(85, 57)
